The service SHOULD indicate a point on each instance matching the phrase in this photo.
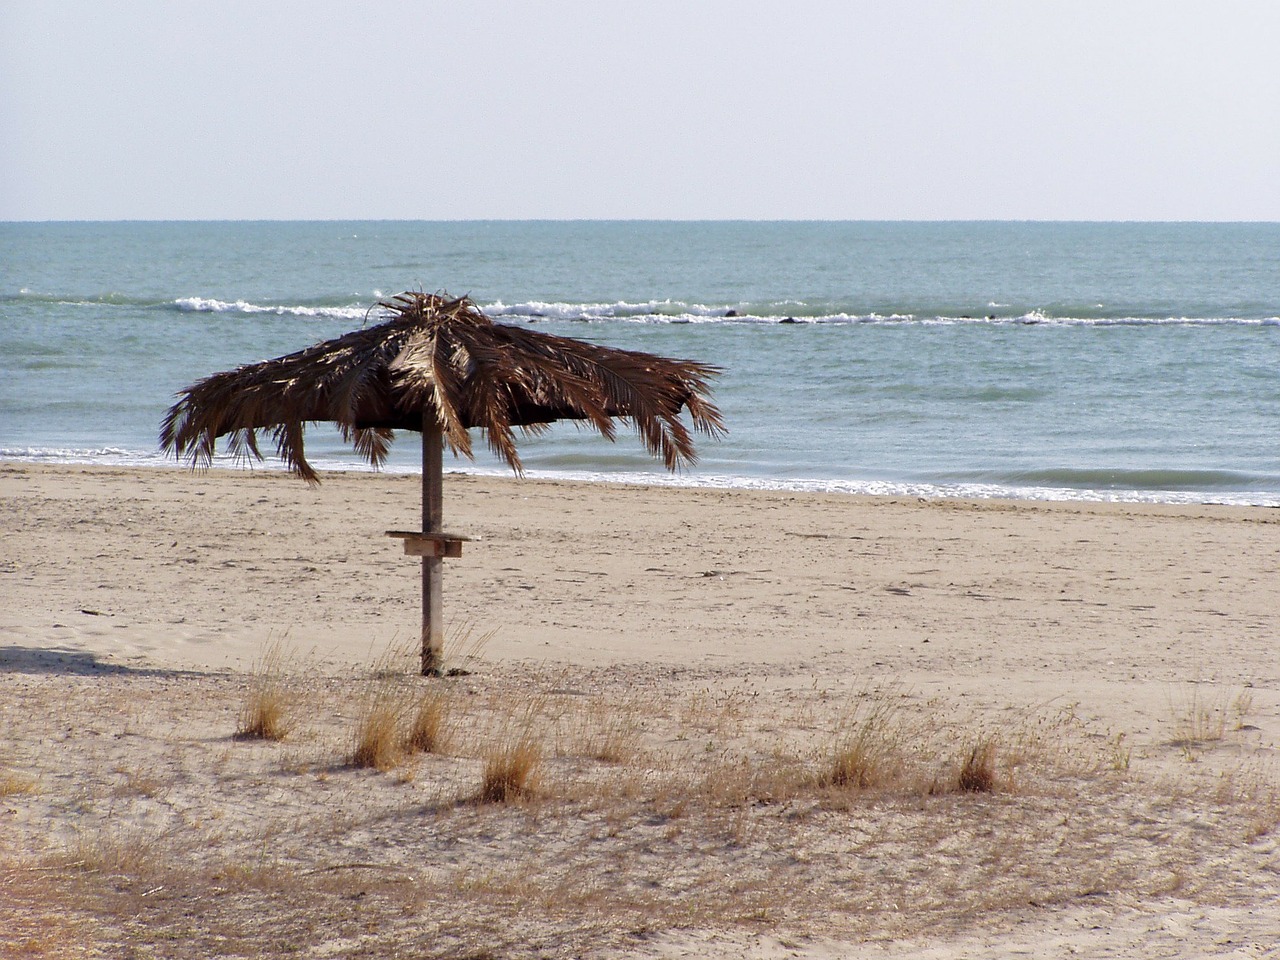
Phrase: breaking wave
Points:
(672, 311)
(1172, 487)
(800, 312)
(209, 305)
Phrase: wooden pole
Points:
(432, 518)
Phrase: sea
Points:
(1051, 361)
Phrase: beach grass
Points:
(430, 721)
(977, 773)
(266, 711)
(511, 770)
(563, 809)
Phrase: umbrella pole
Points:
(432, 566)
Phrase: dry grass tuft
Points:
(464, 649)
(398, 716)
(393, 724)
(606, 730)
(461, 655)
(430, 722)
(511, 770)
(868, 752)
(265, 715)
(736, 781)
(1198, 719)
(125, 850)
(376, 743)
(978, 772)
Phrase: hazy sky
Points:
(888, 109)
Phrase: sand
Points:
(727, 627)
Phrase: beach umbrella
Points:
(439, 366)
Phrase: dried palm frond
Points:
(445, 359)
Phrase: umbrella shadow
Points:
(75, 663)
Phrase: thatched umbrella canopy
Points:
(440, 367)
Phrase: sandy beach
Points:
(1120, 659)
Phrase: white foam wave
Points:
(209, 305)
(107, 456)
(798, 312)
(119, 457)
(886, 488)
(674, 311)
(617, 310)
(1038, 317)
(679, 312)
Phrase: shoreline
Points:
(878, 489)
(659, 484)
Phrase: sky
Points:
(605, 109)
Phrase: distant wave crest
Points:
(210, 305)
(800, 312)
(670, 311)
(343, 311)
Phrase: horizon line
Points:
(688, 220)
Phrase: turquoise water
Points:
(1060, 361)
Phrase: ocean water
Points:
(1136, 362)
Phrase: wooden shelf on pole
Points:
(419, 544)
